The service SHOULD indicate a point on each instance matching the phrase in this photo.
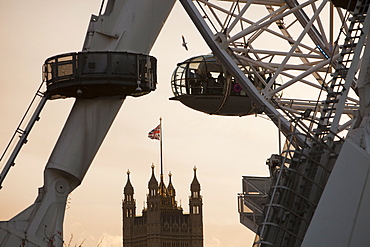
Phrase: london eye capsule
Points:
(100, 74)
(203, 84)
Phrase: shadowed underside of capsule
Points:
(215, 105)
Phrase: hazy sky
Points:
(223, 148)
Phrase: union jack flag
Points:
(155, 133)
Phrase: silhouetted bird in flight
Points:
(184, 43)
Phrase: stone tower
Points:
(162, 223)
(129, 208)
(196, 211)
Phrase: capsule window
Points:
(200, 75)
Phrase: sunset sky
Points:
(223, 148)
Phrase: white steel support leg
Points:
(82, 135)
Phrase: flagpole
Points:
(160, 144)
(156, 134)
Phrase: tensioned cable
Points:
(231, 15)
(206, 16)
(101, 7)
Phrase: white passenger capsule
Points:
(203, 84)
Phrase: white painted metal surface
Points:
(342, 216)
(131, 26)
(238, 38)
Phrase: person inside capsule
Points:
(195, 84)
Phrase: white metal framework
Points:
(306, 55)
(292, 46)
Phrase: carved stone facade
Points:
(163, 223)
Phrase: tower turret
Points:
(152, 211)
(196, 212)
(162, 190)
(171, 192)
(195, 185)
(128, 208)
(129, 189)
(153, 184)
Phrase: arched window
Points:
(195, 194)
(129, 213)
